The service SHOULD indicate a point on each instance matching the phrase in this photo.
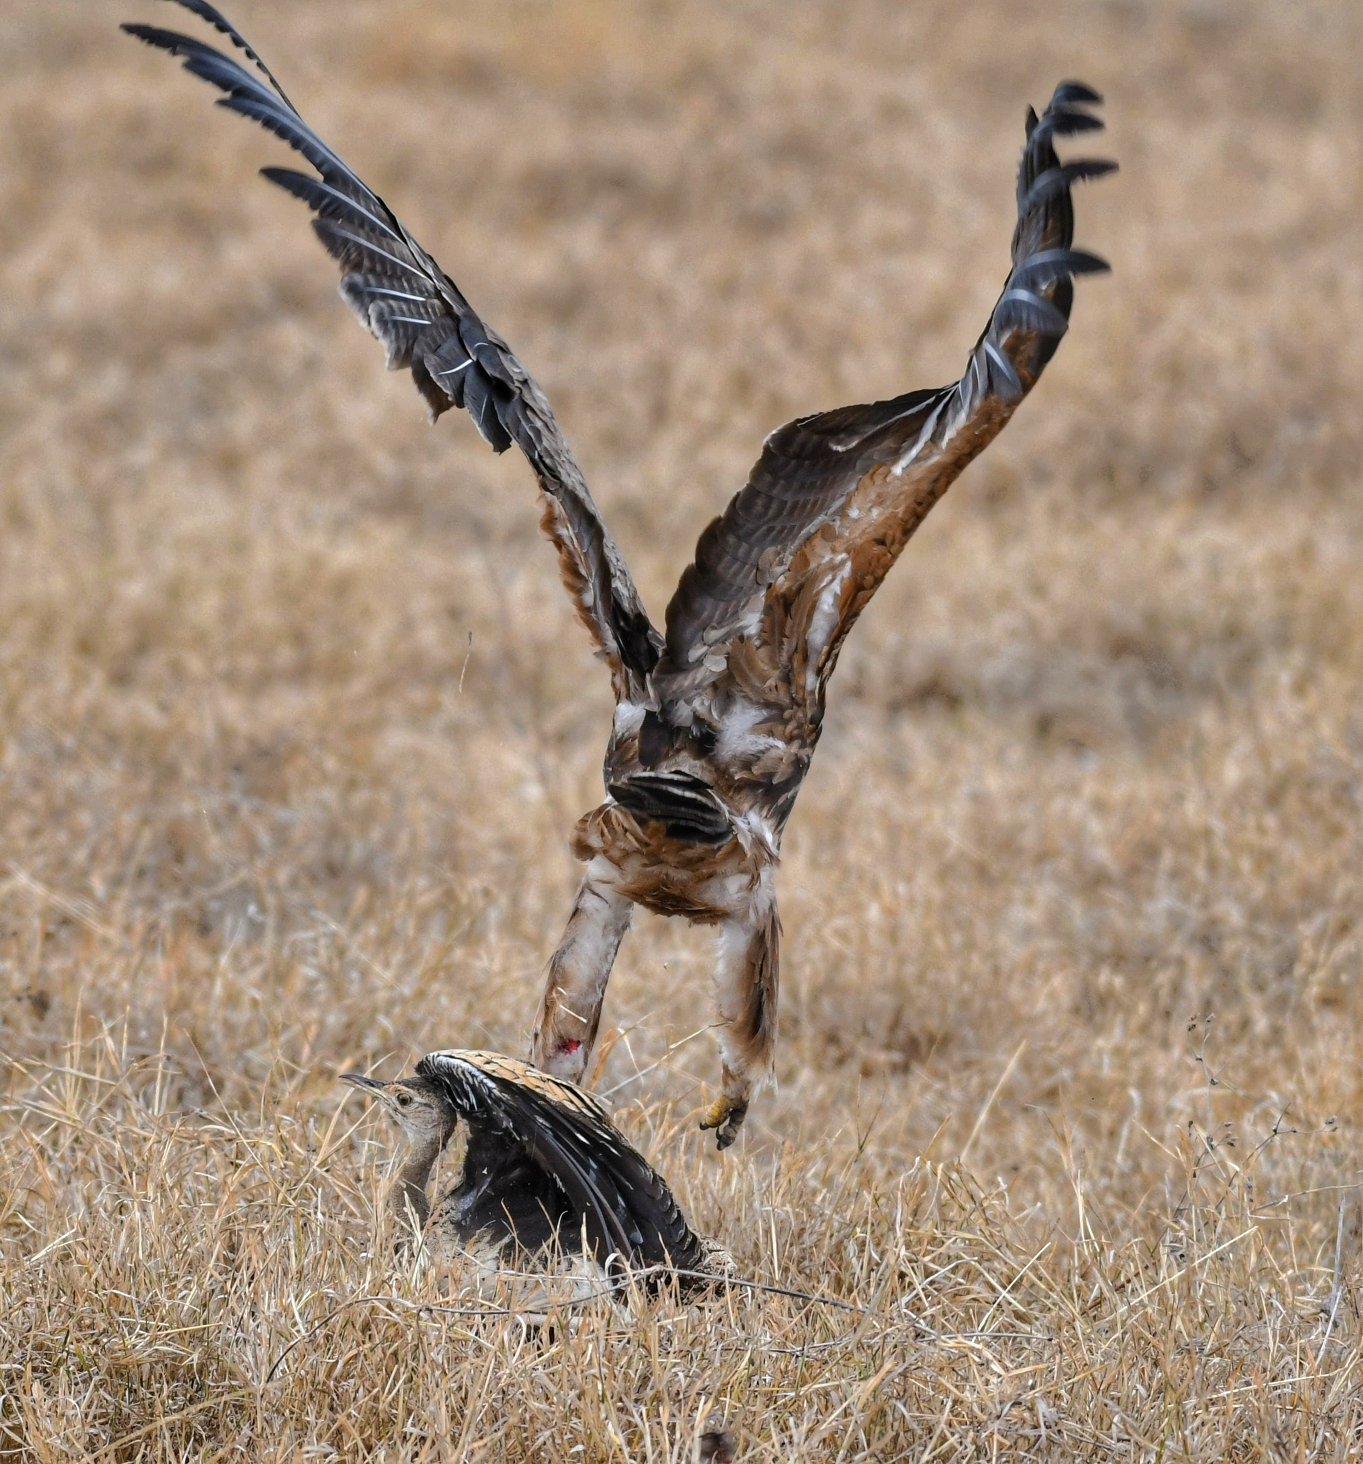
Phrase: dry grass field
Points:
(294, 722)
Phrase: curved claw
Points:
(726, 1116)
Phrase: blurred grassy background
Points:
(294, 719)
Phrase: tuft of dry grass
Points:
(1063, 1157)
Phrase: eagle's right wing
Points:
(780, 577)
(410, 304)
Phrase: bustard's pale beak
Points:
(359, 1080)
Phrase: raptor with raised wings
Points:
(717, 717)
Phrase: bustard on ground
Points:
(717, 715)
(543, 1170)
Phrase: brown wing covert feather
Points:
(782, 575)
(427, 326)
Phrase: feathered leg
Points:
(575, 979)
(746, 979)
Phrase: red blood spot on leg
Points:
(570, 1046)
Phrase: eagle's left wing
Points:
(780, 577)
(457, 360)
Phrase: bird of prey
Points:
(543, 1169)
(717, 715)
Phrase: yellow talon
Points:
(726, 1115)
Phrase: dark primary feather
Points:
(429, 328)
(538, 1130)
(223, 26)
(809, 468)
(1075, 91)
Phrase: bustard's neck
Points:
(409, 1193)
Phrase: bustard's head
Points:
(428, 1119)
(424, 1114)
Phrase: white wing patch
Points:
(824, 623)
